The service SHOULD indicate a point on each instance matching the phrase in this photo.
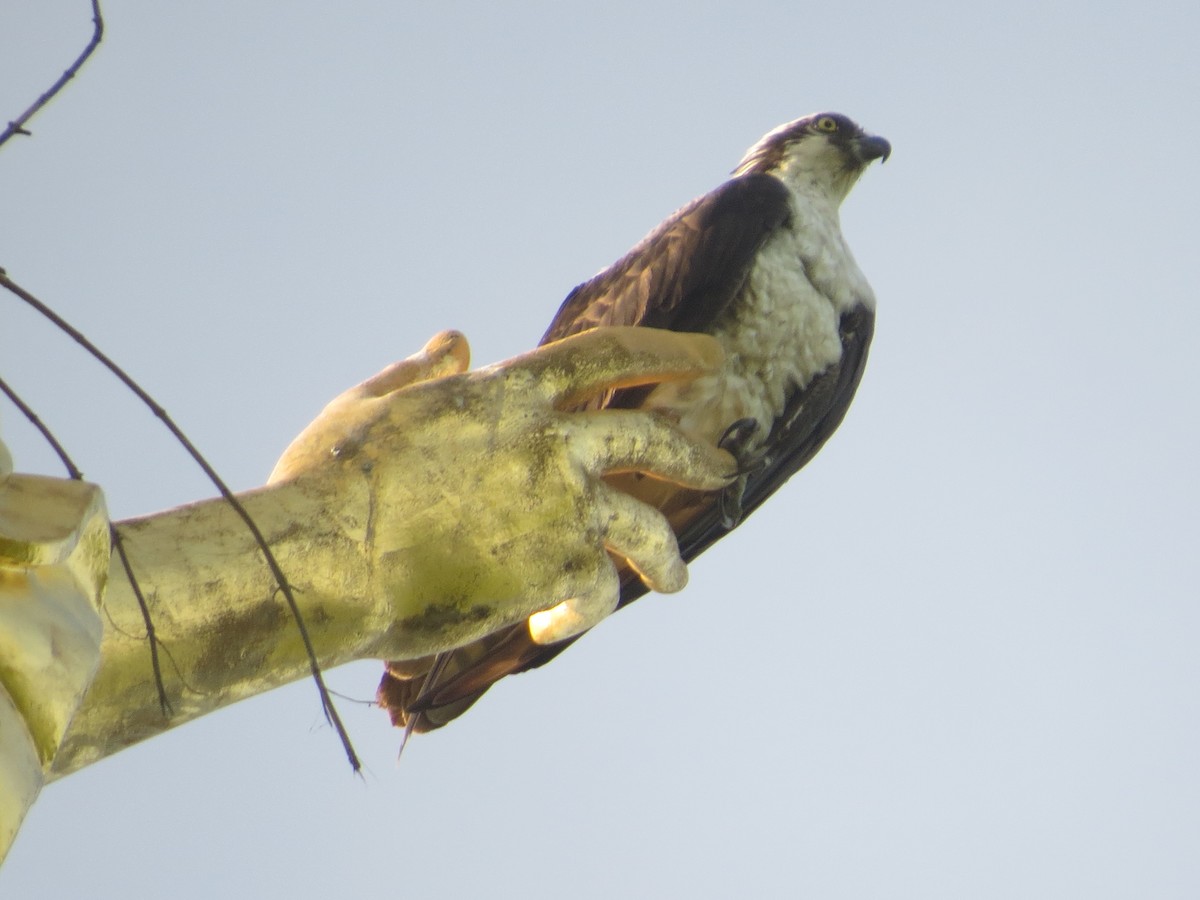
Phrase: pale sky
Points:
(955, 657)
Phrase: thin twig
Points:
(151, 635)
(17, 125)
(331, 713)
(118, 544)
(27, 411)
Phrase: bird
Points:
(761, 264)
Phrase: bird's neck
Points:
(813, 186)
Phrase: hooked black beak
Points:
(867, 147)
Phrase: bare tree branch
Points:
(17, 125)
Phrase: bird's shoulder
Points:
(684, 272)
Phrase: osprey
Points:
(761, 264)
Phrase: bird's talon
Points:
(736, 441)
(736, 435)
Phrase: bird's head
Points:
(826, 151)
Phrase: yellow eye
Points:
(827, 124)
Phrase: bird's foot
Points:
(736, 441)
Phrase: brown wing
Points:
(687, 270)
(681, 276)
